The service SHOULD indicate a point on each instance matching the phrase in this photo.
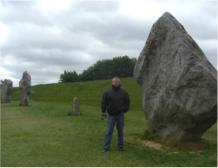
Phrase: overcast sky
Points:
(47, 37)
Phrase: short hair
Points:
(116, 77)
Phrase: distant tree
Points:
(103, 69)
(121, 66)
(69, 76)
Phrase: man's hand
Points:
(103, 115)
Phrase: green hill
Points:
(89, 93)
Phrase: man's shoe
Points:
(120, 148)
(106, 150)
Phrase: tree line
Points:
(121, 66)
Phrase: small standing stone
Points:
(6, 90)
(75, 106)
(25, 87)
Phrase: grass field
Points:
(44, 135)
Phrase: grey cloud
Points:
(46, 44)
(96, 6)
(21, 12)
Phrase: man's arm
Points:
(104, 103)
(126, 102)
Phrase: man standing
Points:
(115, 103)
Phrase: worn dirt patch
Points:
(152, 144)
(193, 146)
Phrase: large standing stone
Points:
(6, 90)
(179, 83)
(25, 87)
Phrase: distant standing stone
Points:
(75, 106)
(6, 90)
(25, 87)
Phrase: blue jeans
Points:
(112, 120)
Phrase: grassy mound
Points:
(89, 93)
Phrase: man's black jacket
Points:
(115, 101)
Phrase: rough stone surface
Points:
(25, 88)
(75, 106)
(179, 84)
(6, 90)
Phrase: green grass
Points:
(44, 135)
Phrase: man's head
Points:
(116, 82)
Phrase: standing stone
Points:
(25, 87)
(75, 106)
(6, 90)
(179, 84)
